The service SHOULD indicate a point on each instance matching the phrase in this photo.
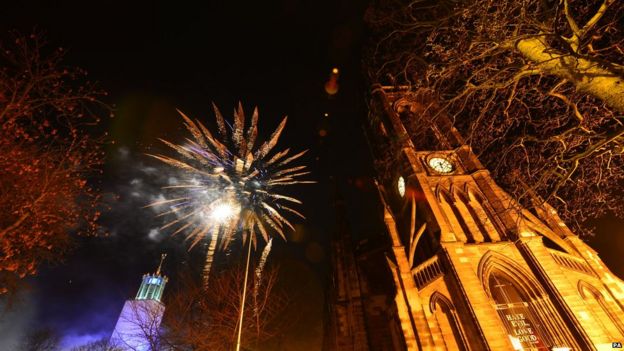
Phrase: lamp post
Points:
(242, 308)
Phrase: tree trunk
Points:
(587, 75)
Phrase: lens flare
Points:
(331, 85)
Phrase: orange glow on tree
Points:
(538, 97)
(45, 158)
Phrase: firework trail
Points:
(259, 268)
(229, 184)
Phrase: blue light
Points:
(155, 281)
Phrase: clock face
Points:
(441, 165)
(401, 186)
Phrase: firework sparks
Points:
(259, 269)
(228, 184)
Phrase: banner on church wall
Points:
(523, 332)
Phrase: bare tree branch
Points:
(536, 88)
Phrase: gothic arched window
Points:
(485, 215)
(600, 311)
(517, 311)
(527, 314)
(470, 220)
(444, 313)
(453, 216)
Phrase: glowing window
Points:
(526, 330)
(401, 186)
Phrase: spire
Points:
(434, 129)
(162, 259)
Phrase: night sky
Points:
(153, 57)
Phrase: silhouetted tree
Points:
(100, 345)
(42, 340)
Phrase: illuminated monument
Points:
(472, 269)
(137, 328)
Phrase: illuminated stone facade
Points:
(472, 270)
(138, 326)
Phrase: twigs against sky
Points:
(536, 88)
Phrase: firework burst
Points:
(227, 184)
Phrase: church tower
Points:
(472, 268)
(137, 328)
(346, 329)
